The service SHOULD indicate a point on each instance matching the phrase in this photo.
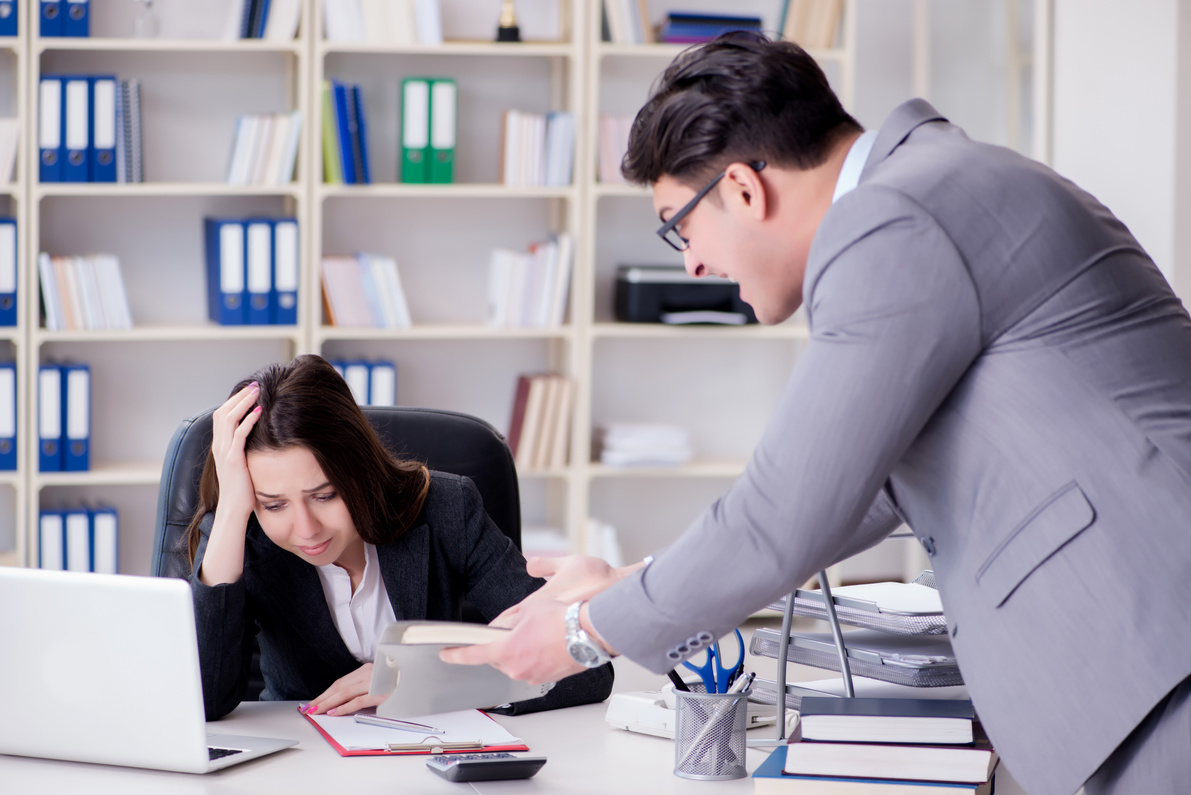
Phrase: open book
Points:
(407, 666)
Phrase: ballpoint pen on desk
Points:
(401, 725)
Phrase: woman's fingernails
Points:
(256, 410)
(309, 708)
(330, 712)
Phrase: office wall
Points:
(1121, 121)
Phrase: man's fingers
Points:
(508, 618)
(481, 654)
(543, 566)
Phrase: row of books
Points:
(428, 130)
(265, 149)
(383, 22)
(345, 141)
(364, 291)
(613, 144)
(79, 539)
(538, 149)
(627, 22)
(812, 24)
(89, 129)
(274, 20)
(530, 289)
(692, 28)
(875, 745)
(540, 426)
(57, 18)
(373, 383)
(64, 417)
(83, 293)
(252, 270)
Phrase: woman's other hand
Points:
(349, 694)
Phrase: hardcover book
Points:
(887, 720)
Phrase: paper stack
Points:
(628, 444)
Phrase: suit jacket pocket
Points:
(1061, 517)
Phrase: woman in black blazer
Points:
(310, 536)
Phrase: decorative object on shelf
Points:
(145, 25)
(507, 29)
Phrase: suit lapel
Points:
(904, 119)
(404, 567)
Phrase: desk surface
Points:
(585, 755)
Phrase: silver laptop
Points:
(104, 668)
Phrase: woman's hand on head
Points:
(230, 425)
(347, 695)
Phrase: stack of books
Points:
(265, 149)
(614, 143)
(849, 746)
(539, 149)
(530, 289)
(364, 291)
(627, 22)
(812, 24)
(642, 444)
(272, 20)
(345, 139)
(686, 27)
(83, 293)
(386, 22)
(540, 428)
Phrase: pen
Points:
(394, 723)
(677, 680)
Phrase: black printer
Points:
(668, 294)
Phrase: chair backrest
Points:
(444, 440)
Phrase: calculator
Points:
(484, 767)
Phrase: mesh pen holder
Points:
(709, 739)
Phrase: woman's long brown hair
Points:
(306, 403)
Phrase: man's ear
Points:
(744, 190)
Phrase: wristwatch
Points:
(581, 646)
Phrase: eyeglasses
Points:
(669, 230)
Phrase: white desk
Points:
(585, 755)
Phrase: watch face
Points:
(582, 653)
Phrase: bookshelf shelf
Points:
(442, 332)
(165, 189)
(395, 190)
(455, 49)
(786, 331)
(694, 469)
(165, 46)
(107, 473)
(180, 333)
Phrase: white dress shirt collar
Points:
(362, 616)
(849, 175)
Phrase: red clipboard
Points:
(410, 749)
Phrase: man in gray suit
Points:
(993, 360)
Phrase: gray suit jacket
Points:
(452, 552)
(996, 361)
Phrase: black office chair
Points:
(444, 440)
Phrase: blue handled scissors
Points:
(716, 676)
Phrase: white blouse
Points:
(362, 616)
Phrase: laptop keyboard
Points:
(220, 753)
